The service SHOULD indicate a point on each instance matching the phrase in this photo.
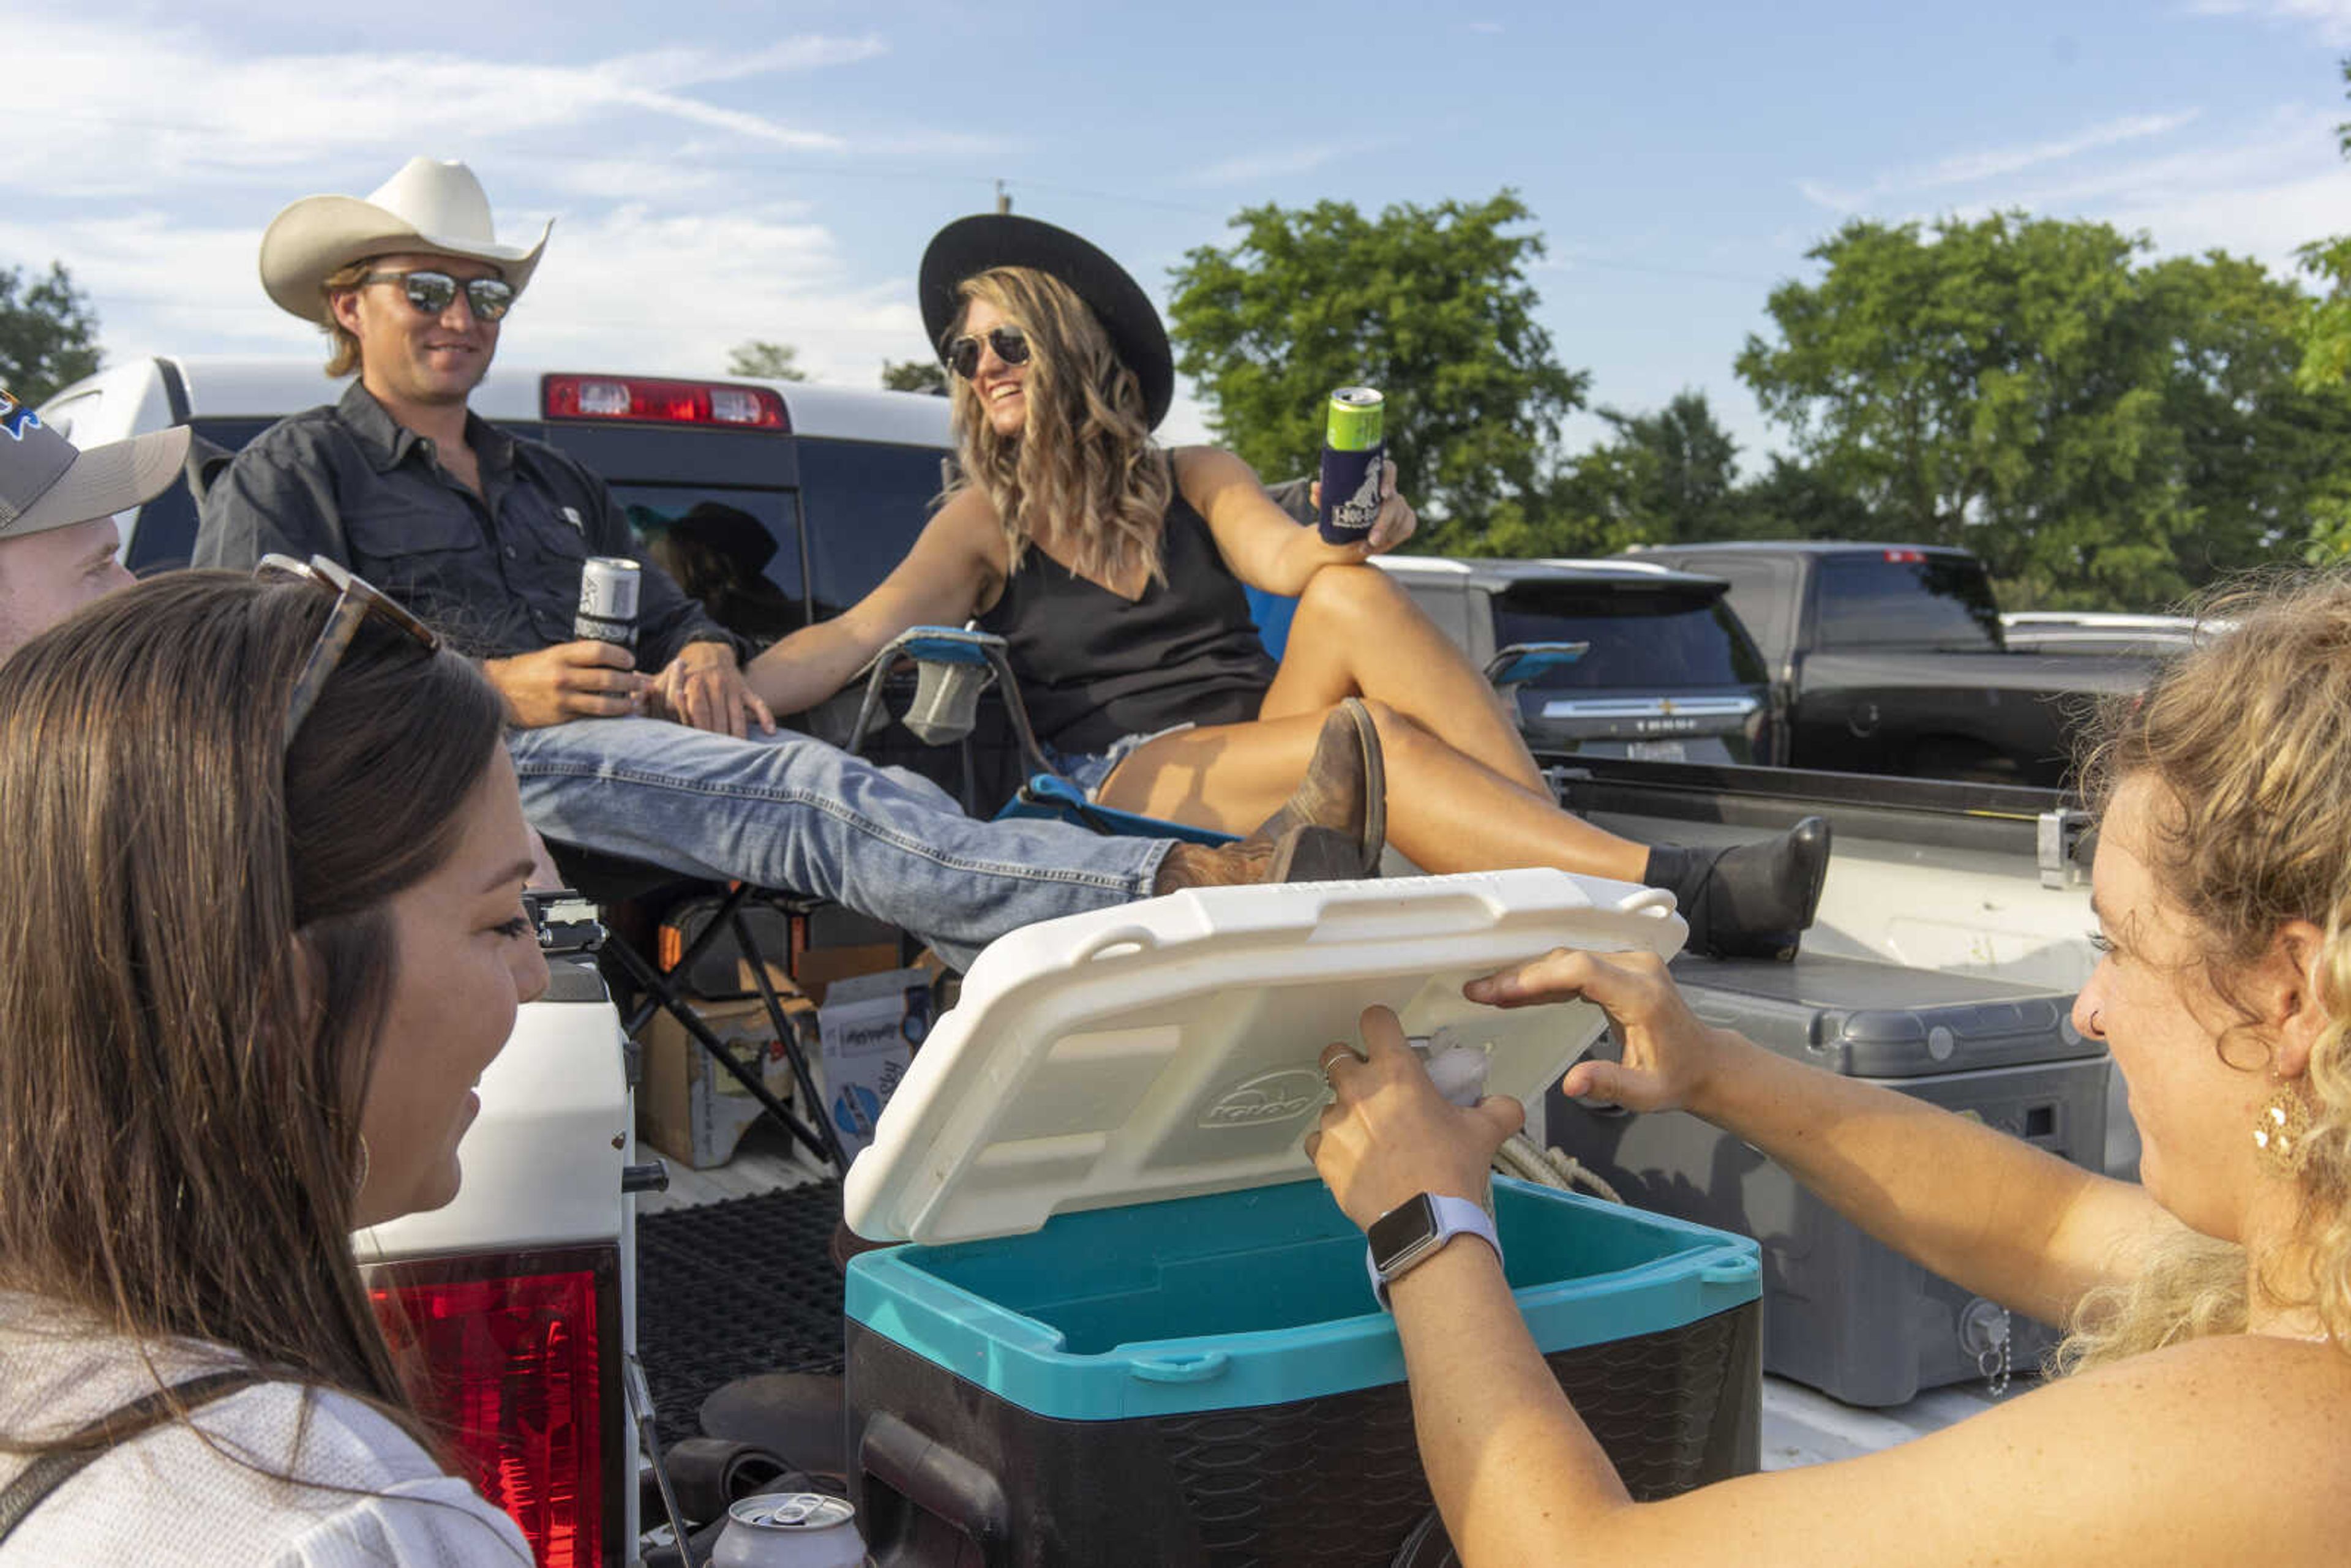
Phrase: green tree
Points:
(2324, 339)
(2326, 328)
(2265, 455)
(2102, 432)
(1675, 475)
(48, 333)
(1791, 500)
(915, 376)
(1431, 305)
(765, 360)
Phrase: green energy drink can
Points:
(1354, 448)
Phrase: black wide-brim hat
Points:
(969, 246)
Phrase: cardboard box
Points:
(814, 970)
(690, 1108)
(870, 1025)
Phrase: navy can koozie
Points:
(1354, 449)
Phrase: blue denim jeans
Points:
(788, 811)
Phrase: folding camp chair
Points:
(607, 880)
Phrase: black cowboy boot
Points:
(1750, 901)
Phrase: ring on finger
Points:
(1332, 1054)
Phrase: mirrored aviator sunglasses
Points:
(431, 292)
(356, 599)
(1010, 344)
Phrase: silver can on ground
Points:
(790, 1530)
(608, 600)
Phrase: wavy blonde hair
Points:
(2248, 738)
(1085, 471)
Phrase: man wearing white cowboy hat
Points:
(57, 538)
(484, 535)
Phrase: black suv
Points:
(1669, 674)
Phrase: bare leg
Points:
(1447, 810)
(1358, 634)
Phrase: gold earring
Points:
(2280, 1128)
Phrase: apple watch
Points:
(1412, 1232)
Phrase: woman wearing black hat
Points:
(1114, 572)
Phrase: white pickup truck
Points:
(524, 1285)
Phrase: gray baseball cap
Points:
(47, 482)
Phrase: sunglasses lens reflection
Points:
(1011, 346)
(429, 291)
(489, 298)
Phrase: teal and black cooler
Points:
(1134, 1329)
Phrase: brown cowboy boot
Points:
(1345, 787)
(1301, 854)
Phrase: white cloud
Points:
(2259, 189)
(635, 289)
(172, 145)
(2261, 195)
(1250, 168)
(139, 110)
(627, 290)
(1982, 164)
(2331, 19)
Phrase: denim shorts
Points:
(1089, 769)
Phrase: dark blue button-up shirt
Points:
(496, 574)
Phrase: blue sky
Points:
(725, 171)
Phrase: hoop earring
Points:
(2280, 1128)
(358, 1182)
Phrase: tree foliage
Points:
(49, 332)
(2100, 430)
(765, 360)
(1660, 477)
(915, 376)
(1430, 305)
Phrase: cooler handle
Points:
(1178, 1366)
(1646, 901)
(1738, 1269)
(941, 1482)
(1100, 941)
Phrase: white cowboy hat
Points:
(430, 205)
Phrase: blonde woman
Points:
(1116, 569)
(2205, 1413)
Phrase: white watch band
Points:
(1455, 1216)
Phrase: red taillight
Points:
(521, 1357)
(1907, 557)
(646, 401)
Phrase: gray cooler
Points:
(1840, 1311)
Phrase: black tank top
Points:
(1094, 667)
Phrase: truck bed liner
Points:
(726, 1290)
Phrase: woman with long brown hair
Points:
(263, 859)
(2205, 1417)
(1114, 570)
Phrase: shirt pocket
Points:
(416, 553)
(395, 531)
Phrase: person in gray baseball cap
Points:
(58, 539)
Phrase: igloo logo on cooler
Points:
(1267, 1098)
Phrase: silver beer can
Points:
(608, 600)
(790, 1530)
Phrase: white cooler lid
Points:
(1168, 1047)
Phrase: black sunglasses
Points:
(1010, 344)
(356, 599)
(431, 292)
